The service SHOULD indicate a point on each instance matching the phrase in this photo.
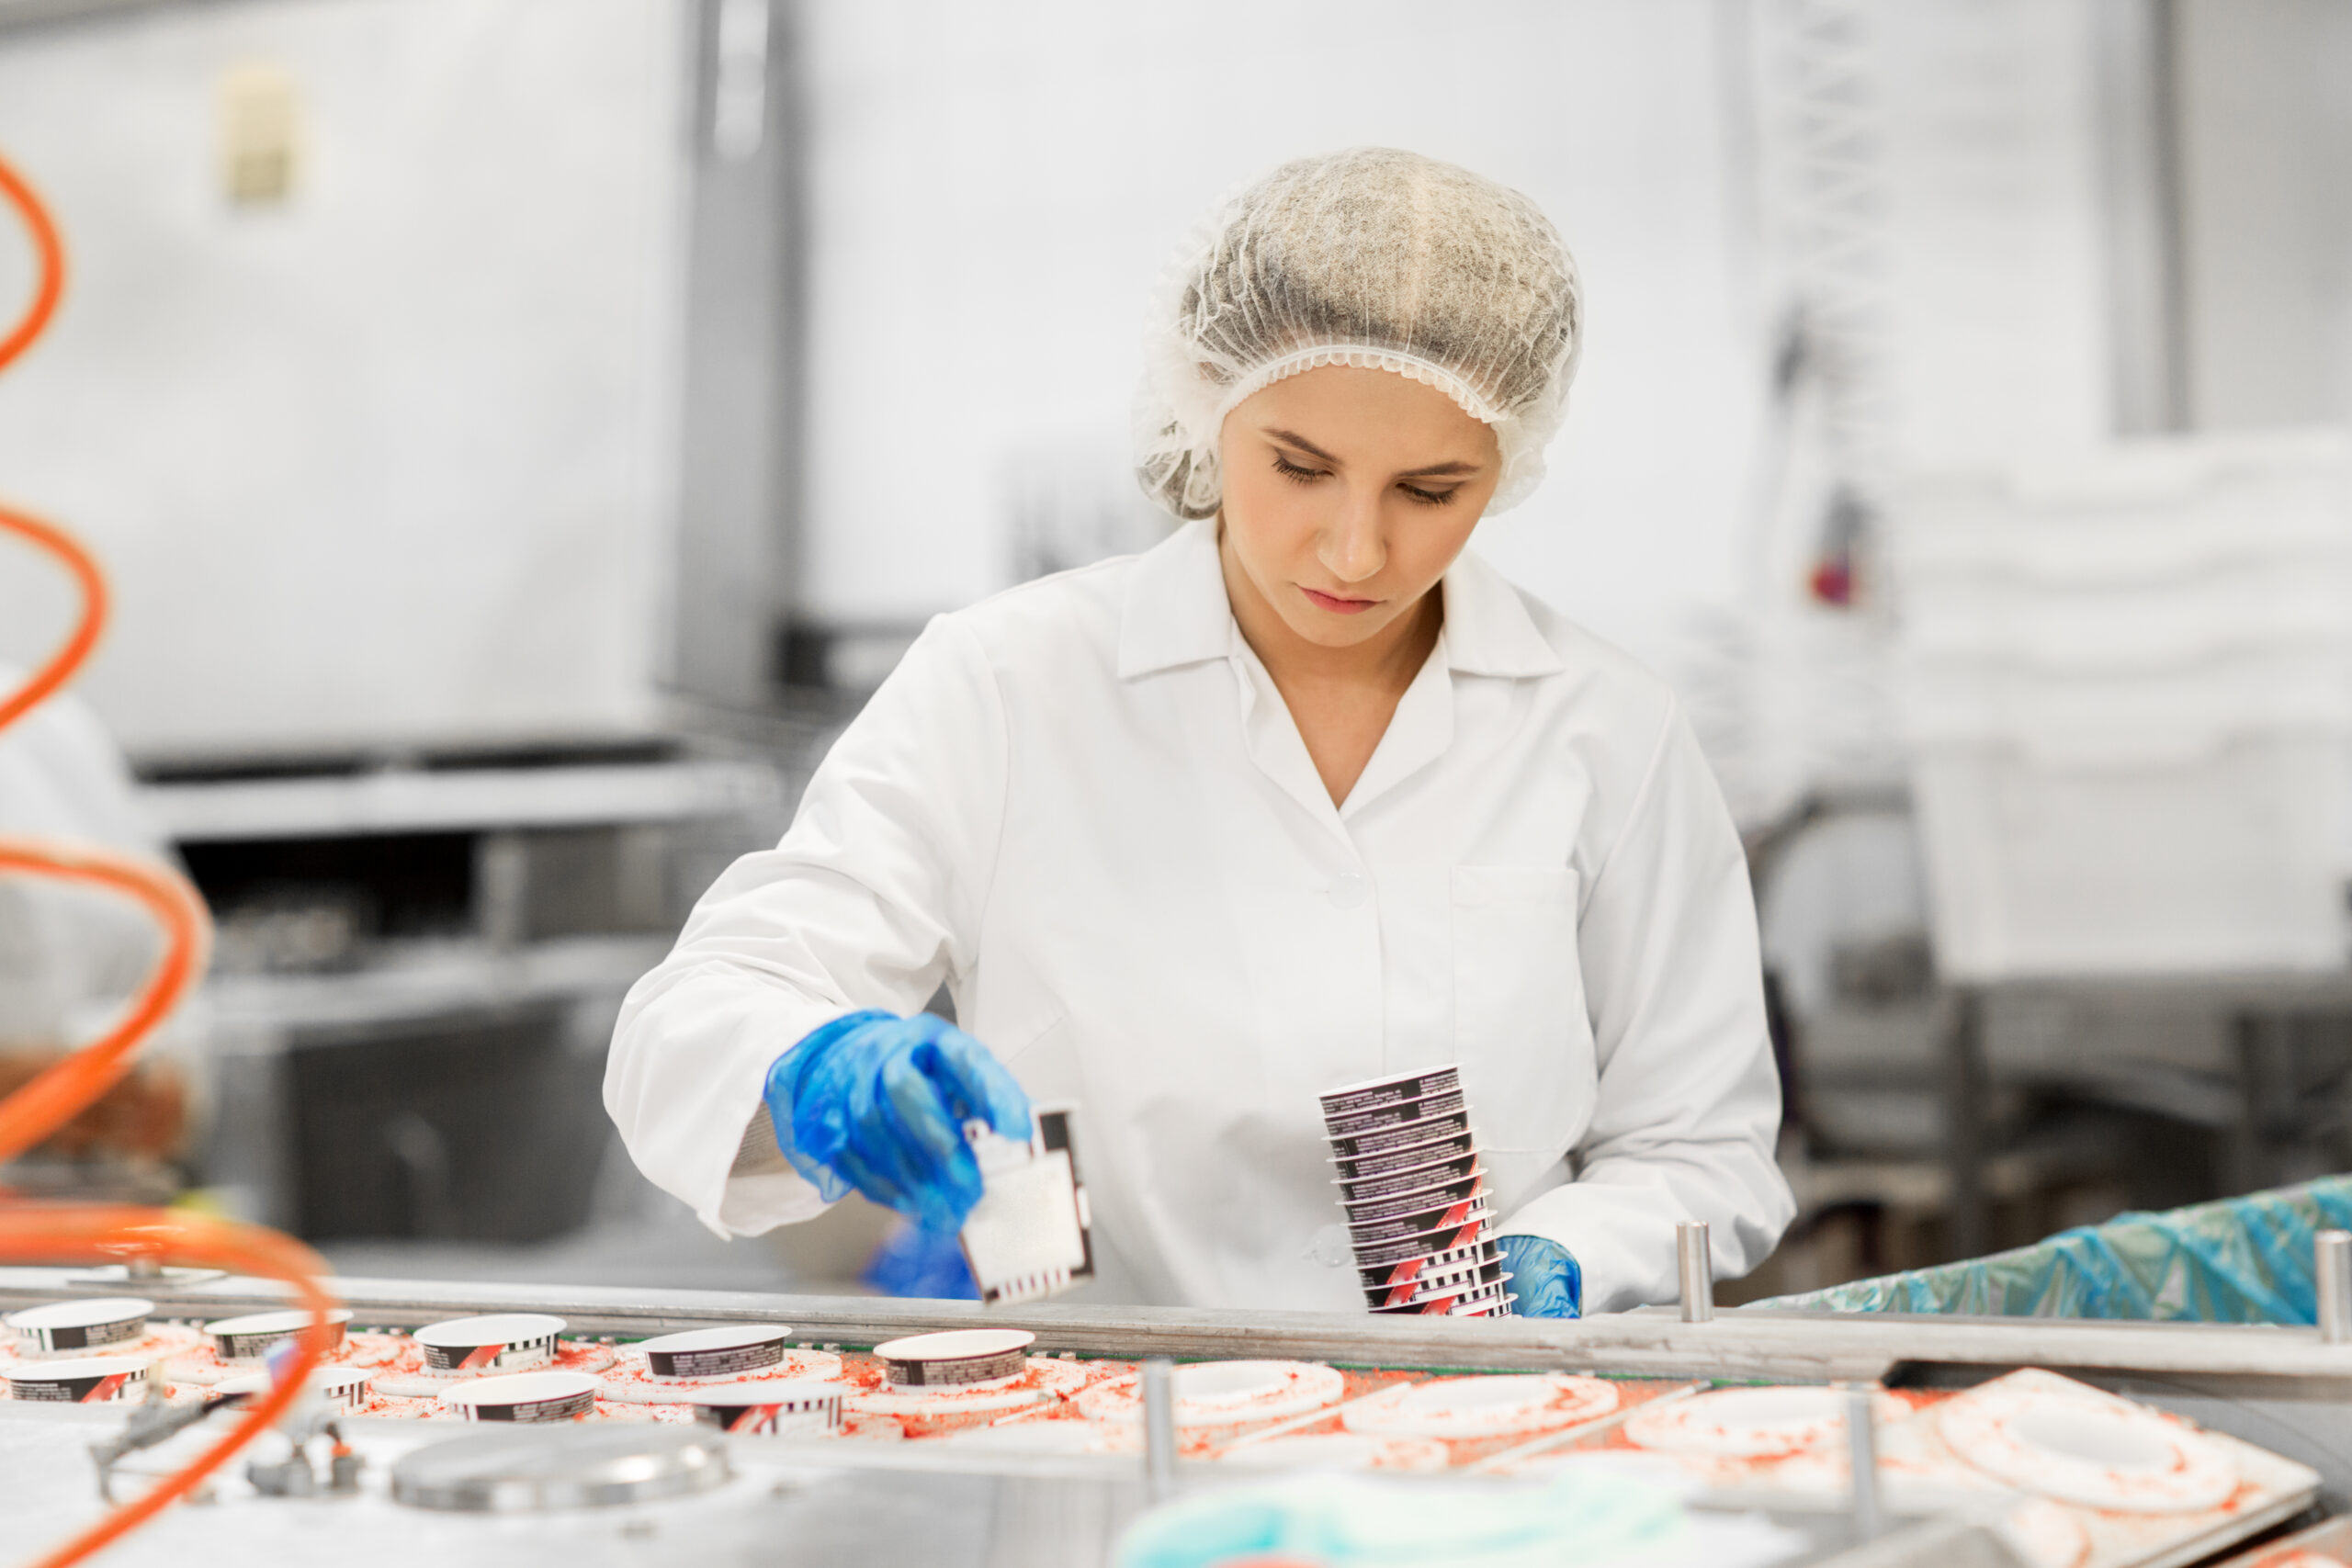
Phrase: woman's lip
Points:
(1336, 604)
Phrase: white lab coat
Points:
(1083, 806)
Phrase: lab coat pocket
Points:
(1520, 1027)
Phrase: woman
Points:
(1305, 795)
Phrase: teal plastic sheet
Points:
(2239, 1260)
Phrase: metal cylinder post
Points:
(1698, 1272)
(1861, 1450)
(1159, 1425)
(2332, 1276)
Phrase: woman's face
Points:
(1348, 493)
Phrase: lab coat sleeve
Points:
(1689, 1102)
(871, 899)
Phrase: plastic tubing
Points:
(76, 648)
(53, 1233)
(48, 256)
(63, 1090)
(50, 1231)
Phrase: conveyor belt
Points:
(1736, 1344)
(2282, 1390)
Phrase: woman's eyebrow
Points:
(1434, 470)
(1290, 438)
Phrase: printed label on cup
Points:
(1419, 1083)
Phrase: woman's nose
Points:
(1353, 548)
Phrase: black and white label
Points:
(731, 1360)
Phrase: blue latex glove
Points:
(912, 1262)
(1545, 1279)
(878, 1103)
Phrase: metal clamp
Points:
(2332, 1276)
(1697, 1267)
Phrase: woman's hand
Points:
(878, 1103)
(1545, 1280)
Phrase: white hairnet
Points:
(1370, 257)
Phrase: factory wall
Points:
(392, 458)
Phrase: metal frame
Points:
(1740, 1343)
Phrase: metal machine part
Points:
(561, 1467)
(2332, 1272)
(1694, 1260)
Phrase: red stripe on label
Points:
(106, 1389)
(1468, 1238)
(1404, 1273)
(1454, 1216)
(481, 1354)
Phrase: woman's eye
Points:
(1290, 470)
(1430, 497)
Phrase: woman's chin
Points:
(1325, 629)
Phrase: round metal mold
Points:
(538, 1470)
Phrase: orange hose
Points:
(53, 1233)
(65, 1089)
(91, 1232)
(48, 254)
(71, 654)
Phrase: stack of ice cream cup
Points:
(1416, 1195)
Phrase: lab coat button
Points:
(1349, 891)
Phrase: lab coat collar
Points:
(1488, 628)
(1176, 612)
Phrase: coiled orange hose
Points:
(49, 258)
(53, 1233)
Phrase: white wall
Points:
(995, 188)
(390, 464)
(1997, 282)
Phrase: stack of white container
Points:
(2127, 688)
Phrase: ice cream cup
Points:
(1445, 1216)
(524, 1397)
(1372, 1094)
(1404, 1135)
(1406, 1156)
(1384, 1254)
(78, 1327)
(1410, 1179)
(1372, 1211)
(344, 1390)
(1430, 1287)
(1405, 1111)
(956, 1356)
(252, 1336)
(79, 1380)
(805, 1407)
(1434, 1266)
(730, 1352)
(498, 1342)
(1467, 1303)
